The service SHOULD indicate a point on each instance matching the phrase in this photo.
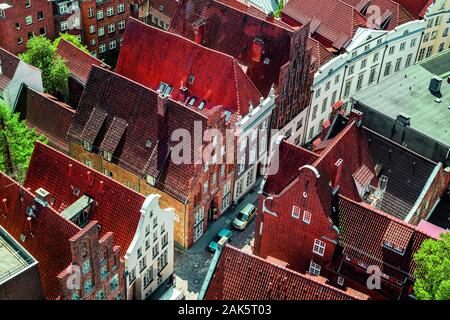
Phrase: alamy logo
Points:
(74, 280)
(374, 280)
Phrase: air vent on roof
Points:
(435, 84)
(404, 119)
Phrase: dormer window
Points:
(201, 105)
(191, 101)
(168, 90)
(191, 79)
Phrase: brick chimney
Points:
(337, 176)
(357, 116)
(199, 32)
(257, 49)
(162, 104)
(163, 138)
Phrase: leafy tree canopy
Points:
(432, 270)
(16, 143)
(72, 39)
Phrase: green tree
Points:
(41, 53)
(16, 143)
(279, 8)
(72, 39)
(432, 269)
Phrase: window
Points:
(314, 114)
(205, 187)
(108, 173)
(142, 264)
(249, 177)
(421, 54)
(333, 97)
(360, 82)
(90, 12)
(445, 34)
(18, 26)
(155, 222)
(101, 31)
(63, 8)
(318, 93)
(121, 24)
(376, 56)
(86, 266)
(76, 22)
(319, 247)
(92, 42)
(155, 236)
(222, 170)
(387, 69)
(103, 272)
(19, 40)
(239, 188)
(40, 15)
(111, 28)
(314, 269)
(340, 281)
(441, 47)
(327, 86)
(147, 244)
(311, 133)
(88, 163)
(87, 286)
(164, 240)
(148, 277)
(348, 86)
(295, 212)
(162, 261)
(99, 14)
(438, 21)
(139, 252)
(429, 50)
(412, 43)
(354, 53)
(402, 46)
(324, 105)
(121, 7)
(27, 3)
(398, 64)
(299, 124)
(366, 47)
(408, 60)
(110, 11)
(426, 37)
(199, 215)
(391, 50)
(155, 250)
(114, 283)
(64, 25)
(433, 35)
(101, 295)
(351, 69)
(28, 20)
(372, 75)
(363, 63)
(336, 79)
(307, 217)
(214, 179)
(91, 28)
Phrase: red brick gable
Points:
(145, 144)
(417, 8)
(240, 276)
(151, 56)
(320, 54)
(78, 62)
(48, 238)
(49, 117)
(232, 31)
(116, 207)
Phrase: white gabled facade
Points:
(253, 134)
(371, 57)
(149, 259)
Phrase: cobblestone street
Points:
(192, 265)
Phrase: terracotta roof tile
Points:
(78, 61)
(114, 134)
(417, 8)
(232, 31)
(144, 139)
(151, 56)
(117, 208)
(243, 276)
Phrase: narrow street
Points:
(192, 265)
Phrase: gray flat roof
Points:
(407, 92)
(13, 257)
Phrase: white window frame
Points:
(306, 217)
(296, 212)
(319, 247)
(314, 269)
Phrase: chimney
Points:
(404, 119)
(257, 49)
(162, 104)
(41, 196)
(337, 176)
(357, 116)
(199, 32)
(5, 206)
(435, 85)
(69, 170)
(101, 187)
(90, 177)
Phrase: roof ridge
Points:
(81, 51)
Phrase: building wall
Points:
(11, 34)
(91, 25)
(291, 239)
(25, 74)
(24, 286)
(147, 267)
(437, 33)
(96, 267)
(339, 79)
(68, 20)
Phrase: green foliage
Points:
(279, 8)
(71, 38)
(41, 53)
(16, 143)
(432, 270)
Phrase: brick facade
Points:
(23, 19)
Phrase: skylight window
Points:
(168, 90)
(162, 87)
(201, 105)
(227, 115)
(192, 101)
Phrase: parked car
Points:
(224, 233)
(245, 216)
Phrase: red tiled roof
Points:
(151, 56)
(365, 231)
(243, 276)
(49, 117)
(49, 242)
(336, 21)
(320, 54)
(292, 158)
(116, 207)
(9, 63)
(417, 8)
(78, 61)
(144, 146)
(168, 7)
(232, 31)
